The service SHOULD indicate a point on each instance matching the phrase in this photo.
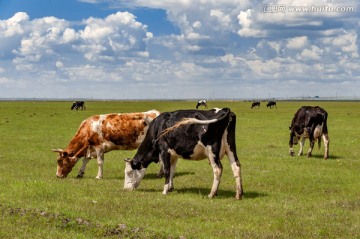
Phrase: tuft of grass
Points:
(285, 197)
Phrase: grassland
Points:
(285, 197)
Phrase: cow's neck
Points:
(78, 148)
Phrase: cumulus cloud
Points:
(297, 42)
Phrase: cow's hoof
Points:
(97, 177)
(212, 195)
(80, 176)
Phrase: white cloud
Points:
(14, 25)
(247, 26)
(312, 53)
(297, 42)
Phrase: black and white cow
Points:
(201, 103)
(189, 134)
(309, 122)
(78, 105)
(271, 104)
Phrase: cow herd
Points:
(271, 104)
(164, 137)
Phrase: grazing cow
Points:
(255, 104)
(201, 103)
(309, 122)
(100, 134)
(271, 104)
(78, 105)
(189, 134)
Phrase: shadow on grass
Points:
(319, 156)
(221, 193)
(205, 191)
(177, 174)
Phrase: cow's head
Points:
(65, 163)
(133, 174)
(295, 133)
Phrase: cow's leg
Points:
(83, 166)
(236, 168)
(302, 142)
(165, 159)
(161, 170)
(291, 143)
(312, 143)
(100, 162)
(326, 144)
(217, 170)
(172, 173)
(230, 148)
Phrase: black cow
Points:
(309, 122)
(78, 105)
(271, 104)
(201, 102)
(255, 104)
(189, 134)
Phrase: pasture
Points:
(285, 197)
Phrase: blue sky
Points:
(178, 49)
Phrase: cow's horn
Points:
(58, 150)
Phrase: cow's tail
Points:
(187, 121)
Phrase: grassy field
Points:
(285, 197)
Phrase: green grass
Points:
(285, 197)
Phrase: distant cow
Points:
(271, 104)
(78, 105)
(255, 104)
(100, 134)
(189, 134)
(201, 103)
(309, 122)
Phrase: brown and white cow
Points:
(309, 122)
(100, 134)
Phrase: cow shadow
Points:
(221, 193)
(177, 174)
(319, 156)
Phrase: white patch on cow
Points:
(96, 125)
(142, 135)
(199, 151)
(318, 131)
(173, 154)
(132, 177)
(108, 146)
(217, 110)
